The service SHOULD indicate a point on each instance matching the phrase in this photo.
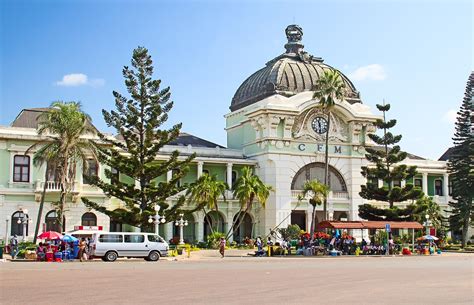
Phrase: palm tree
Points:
(45, 155)
(318, 193)
(205, 193)
(329, 88)
(63, 128)
(247, 189)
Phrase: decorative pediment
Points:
(302, 127)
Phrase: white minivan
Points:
(111, 245)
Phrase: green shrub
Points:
(214, 239)
(291, 232)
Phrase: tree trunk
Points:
(40, 211)
(240, 219)
(312, 224)
(206, 218)
(237, 222)
(465, 227)
(326, 168)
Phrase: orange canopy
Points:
(368, 225)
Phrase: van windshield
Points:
(155, 238)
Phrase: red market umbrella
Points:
(50, 235)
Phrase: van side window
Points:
(134, 238)
(155, 238)
(110, 238)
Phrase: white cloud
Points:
(450, 116)
(369, 72)
(79, 79)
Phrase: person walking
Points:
(14, 246)
(222, 247)
(82, 249)
(259, 244)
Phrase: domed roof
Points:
(292, 72)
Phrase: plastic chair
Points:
(49, 256)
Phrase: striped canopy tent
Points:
(368, 225)
(361, 225)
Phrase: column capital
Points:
(230, 164)
(200, 163)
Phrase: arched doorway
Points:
(17, 228)
(89, 219)
(315, 171)
(245, 229)
(52, 222)
(216, 220)
(189, 231)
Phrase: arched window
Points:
(17, 228)
(52, 222)
(316, 171)
(89, 219)
(245, 228)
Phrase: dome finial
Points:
(294, 34)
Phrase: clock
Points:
(319, 125)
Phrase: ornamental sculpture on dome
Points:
(294, 47)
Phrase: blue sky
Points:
(417, 55)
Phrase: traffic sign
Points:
(387, 227)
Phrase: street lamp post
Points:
(157, 219)
(6, 230)
(427, 224)
(24, 221)
(181, 223)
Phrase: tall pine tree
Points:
(384, 165)
(461, 165)
(138, 121)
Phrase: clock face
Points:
(319, 125)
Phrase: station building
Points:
(274, 126)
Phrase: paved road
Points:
(446, 279)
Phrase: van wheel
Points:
(153, 256)
(111, 256)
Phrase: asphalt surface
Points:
(445, 279)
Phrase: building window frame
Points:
(91, 171)
(89, 219)
(420, 184)
(438, 189)
(22, 167)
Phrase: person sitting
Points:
(40, 252)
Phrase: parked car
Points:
(111, 245)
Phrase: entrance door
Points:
(299, 218)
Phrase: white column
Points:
(446, 185)
(199, 168)
(169, 230)
(403, 183)
(229, 174)
(380, 183)
(425, 183)
(200, 230)
(169, 176)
